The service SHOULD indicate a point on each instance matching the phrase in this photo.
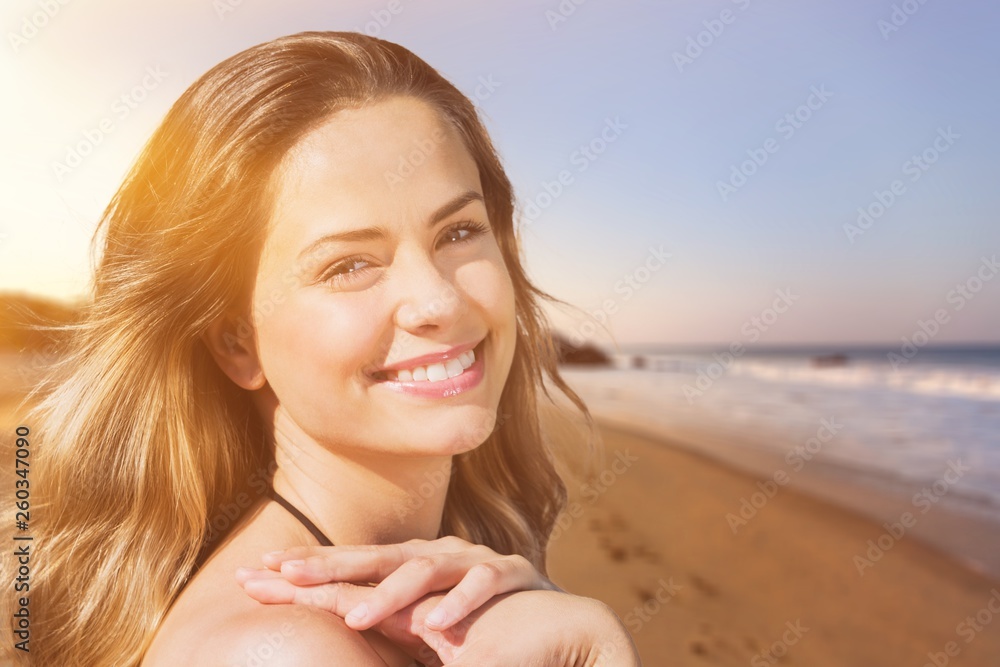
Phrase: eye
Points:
(464, 231)
(354, 268)
(345, 271)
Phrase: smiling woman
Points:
(275, 295)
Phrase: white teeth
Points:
(453, 367)
(435, 372)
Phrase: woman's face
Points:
(380, 252)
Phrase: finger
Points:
(372, 563)
(476, 581)
(244, 574)
(336, 598)
(395, 552)
(482, 582)
(311, 565)
(411, 581)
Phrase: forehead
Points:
(385, 163)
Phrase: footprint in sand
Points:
(703, 586)
(711, 646)
(620, 542)
(698, 647)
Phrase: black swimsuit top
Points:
(317, 533)
(303, 519)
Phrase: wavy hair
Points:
(143, 439)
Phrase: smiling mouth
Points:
(437, 372)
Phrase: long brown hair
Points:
(144, 440)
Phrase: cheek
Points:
(488, 285)
(308, 347)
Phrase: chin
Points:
(458, 435)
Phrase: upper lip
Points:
(428, 359)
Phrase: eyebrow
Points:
(375, 233)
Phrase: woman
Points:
(310, 327)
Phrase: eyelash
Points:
(475, 229)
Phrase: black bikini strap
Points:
(317, 533)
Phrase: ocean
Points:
(896, 420)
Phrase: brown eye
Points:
(345, 270)
(466, 230)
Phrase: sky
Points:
(710, 172)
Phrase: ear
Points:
(232, 342)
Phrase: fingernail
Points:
(437, 617)
(292, 564)
(359, 613)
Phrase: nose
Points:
(428, 297)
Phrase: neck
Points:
(358, 497)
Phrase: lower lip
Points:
(469, 379)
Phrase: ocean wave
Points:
(954, 381)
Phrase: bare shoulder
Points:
(275, 636)
(213, 622)
(284, 636)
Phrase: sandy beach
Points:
(649, 535)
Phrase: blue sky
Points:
(555, 87)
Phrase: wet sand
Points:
(649, 535)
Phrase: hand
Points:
(472, 574)
(537, 628)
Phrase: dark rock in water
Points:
(587, 355)
(829, 360)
